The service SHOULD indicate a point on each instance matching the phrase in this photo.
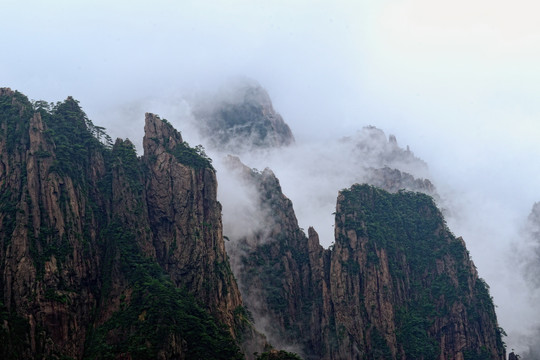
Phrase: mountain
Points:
(108, 255)
(372, 148)
(396, 284)
(386, 164)
(241, 119)
(104, 254)
(528, 256)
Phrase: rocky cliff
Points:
(396, 284)
(104, 254)
(411, 277)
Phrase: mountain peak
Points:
(159, 134)
(242, 118)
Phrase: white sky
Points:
(458, 81)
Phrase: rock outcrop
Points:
(393, 180)
(49, 262)
(104, 254)
(181, 191)
(396, 284)
(371, 148)
(274, 277)
(243, 119)
(417, 286)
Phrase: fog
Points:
(456, 81)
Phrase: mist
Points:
(457, 82)
(489, 212)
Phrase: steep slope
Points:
(395, 285)
(50, 264)
(185, 215)
(279, 272)
(107, 255)
(89, 246)
(411, 277)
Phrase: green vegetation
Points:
(48, 244)
(351, 266)
(72, 136)
(8, 213)
(155, 316)
(400, 223)
(483, 304)
(379, 347)
(13, 334)
(156, 313)
(277, 355)
(410, 228)
(242, 315)
(185, 154)
(124, 157)
(77, 143)
(16, 113)
(75, 136)
(412, 333)
(53, 295)
(193, 157)
(270, 271)
(481, 354)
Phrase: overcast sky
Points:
(458, 81)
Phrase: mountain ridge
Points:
(108, 255)
(351, 300)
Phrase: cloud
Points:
(478, 28)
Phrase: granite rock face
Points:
(105, 254)
(396, 284)
(186, 221)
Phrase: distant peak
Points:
(241, 118)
